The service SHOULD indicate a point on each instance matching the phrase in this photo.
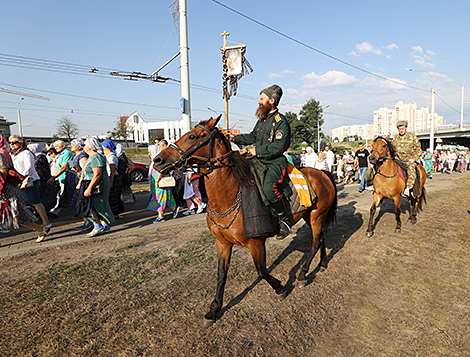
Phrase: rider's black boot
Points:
(284, 223)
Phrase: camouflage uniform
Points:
(408, 147)
(271, 137)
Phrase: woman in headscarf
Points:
(47, 193)
(161, 197)
(109, 148)
(73, 176)
(124, 166)
(310, 157)
(95, 170)
(427, 158)
(13, 193)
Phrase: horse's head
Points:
(381, 149)
(194, 147)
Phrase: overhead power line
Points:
(315, 49)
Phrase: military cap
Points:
(402, 123)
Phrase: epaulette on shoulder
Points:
(277, 118)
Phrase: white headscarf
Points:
(154, 150)
(94, 144)
(119, 150)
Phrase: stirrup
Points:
(284, 230)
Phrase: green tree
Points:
(294, 122)
(310, 117)
(121, 131)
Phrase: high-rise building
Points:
(385, 119)
(363, 132)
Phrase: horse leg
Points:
(258, 252)
(224, 252)
(373, 208)
(413, 210)
(397, 200)
(317, 235)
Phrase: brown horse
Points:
(389, 184)
(228, 171)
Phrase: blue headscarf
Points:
(109, 144)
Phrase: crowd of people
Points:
(88, 177)
(354, 165)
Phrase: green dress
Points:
(428, 163)
(100, 203)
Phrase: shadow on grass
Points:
(337, 236)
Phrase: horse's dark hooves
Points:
(322, 268)
(207, 323)
(397, 230)
(281, 296)
(301, 283)
(369, 234)
(413, 221)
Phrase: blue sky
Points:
(378, 37)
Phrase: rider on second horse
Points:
(408, 150)
(271, 137)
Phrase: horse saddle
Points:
(403, 172)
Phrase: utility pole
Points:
(461, 109)
(19, 118)
(225, 34)
(185, 102)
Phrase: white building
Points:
(385, 119)
(364, 131)
(142, 131)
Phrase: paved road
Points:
(135, 217)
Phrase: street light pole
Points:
(461, 108)
(431, 132)
(19, 118)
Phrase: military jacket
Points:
(407, 146)
(271, 137)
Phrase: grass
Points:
(387, 295)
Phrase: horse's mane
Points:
(240, 165)
(389, 143)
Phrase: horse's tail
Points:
(330, 217)
(422, 199)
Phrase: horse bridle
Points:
(383, 158)
(209, 162)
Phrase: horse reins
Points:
(383, 158)
(209, 162)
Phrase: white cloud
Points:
(329, 79)
(366, 47)
(423, 58)
(390, 47)
(280, 74)
(353, 53)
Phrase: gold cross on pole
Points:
(225, 34)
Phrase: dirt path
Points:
(143, 292)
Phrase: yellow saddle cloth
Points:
(300, 185)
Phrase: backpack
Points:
(123, 165)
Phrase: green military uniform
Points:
(408, 147)
(271, 137)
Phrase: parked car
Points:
(139, 172)
(142, 145)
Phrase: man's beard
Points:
(262, 111)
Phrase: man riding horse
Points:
(408, 150)
(271, 138)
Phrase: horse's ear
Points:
(212, 122)
(388, 137)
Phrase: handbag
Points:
(27, 183)
(97, 190)
(99, 187)
(167, 181)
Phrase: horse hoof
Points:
(283, 295)
(207, 323)
(413, 221)
(369, 234)
(322, 269)
(397, 230)
(301, 283)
